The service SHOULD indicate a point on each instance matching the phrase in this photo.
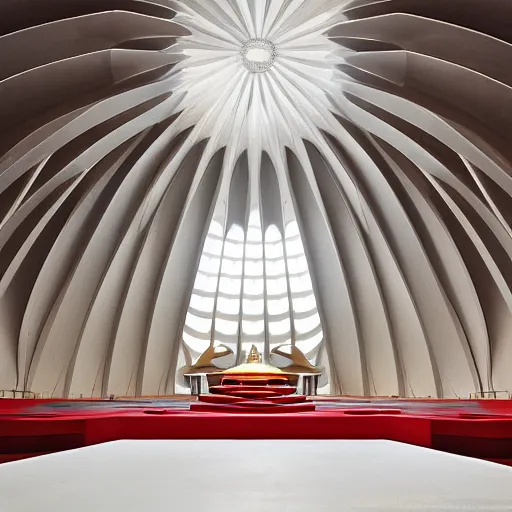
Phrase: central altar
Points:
(254, 376)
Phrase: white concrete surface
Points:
(244, 476)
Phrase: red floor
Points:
(480, 429)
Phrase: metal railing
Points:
(490, 395)
(12, 393)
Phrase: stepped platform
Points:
(474, 428)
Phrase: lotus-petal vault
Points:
(330, 174)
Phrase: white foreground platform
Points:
(244, 476)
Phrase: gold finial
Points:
(254, 356)
(253, 366)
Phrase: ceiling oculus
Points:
(258, 55)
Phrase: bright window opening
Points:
(259, 280)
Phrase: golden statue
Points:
(254, 356)
(253, 365)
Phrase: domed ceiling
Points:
(330, 174)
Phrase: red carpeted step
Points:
(271, 390)
(253, 380)
(230, 399)
(481, 447)
(12, 445)
(219, 399)
(371, 412)
(252, 408)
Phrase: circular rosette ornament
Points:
(258, 55)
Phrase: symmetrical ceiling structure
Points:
(330, 174)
